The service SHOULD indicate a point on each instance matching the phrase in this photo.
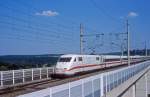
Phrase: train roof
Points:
(106, 56)
(78, 55)
(112, 56)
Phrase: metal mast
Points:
(81, 39)
(128, 42)
(145, 49)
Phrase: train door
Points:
(121, 60)
(102, 62)
(80, 62)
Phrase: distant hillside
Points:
(132, 52)
(28, 61)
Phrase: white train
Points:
(73, 63)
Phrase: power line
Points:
(101, 10)
(40, 27)
(46, 24)
(72, 22)
(37, 10)
(42, 42)
(38, 30)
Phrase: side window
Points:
(75, 60)
(97, 58)
(80, 58)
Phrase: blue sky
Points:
(52, 26)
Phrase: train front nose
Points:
(60, 73)
(61, 68)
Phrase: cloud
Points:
(132, 14)
(47, 13)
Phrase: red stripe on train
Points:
(91, 65)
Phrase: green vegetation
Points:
(7, 66)
(13, 62)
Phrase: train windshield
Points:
(65, 59)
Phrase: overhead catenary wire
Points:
(41, 29)
(42, 44)
(74, 24)
(48, 22)
(31, 36)
(36, 31)
(34, 40)
(104, 12)
(65, 28)
(28, 26)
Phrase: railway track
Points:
(17, 90)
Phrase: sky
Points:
(29, 27)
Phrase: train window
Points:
(75, 60)
(97, 58)
(109, 60)
(65, 59)
(80, 58)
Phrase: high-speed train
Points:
(72, 64)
